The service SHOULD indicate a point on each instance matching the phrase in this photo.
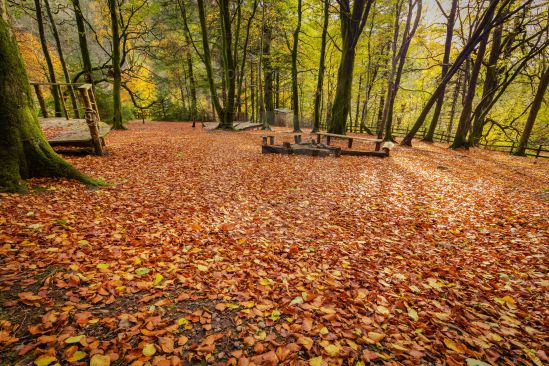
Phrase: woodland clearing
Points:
(203, 250)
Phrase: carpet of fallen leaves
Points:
(205, 251)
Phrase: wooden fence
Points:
(537, 151)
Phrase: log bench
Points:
(271, 138)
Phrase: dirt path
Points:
(204, 250)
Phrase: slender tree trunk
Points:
(321, 67)
(445, 64)
(295, 91)
(268, 76)
(252, 91)
(62, 60)
(117, 123)
(241, 75)
(277, 89)
(454, 104)
(352, 25)
(24, 151)
(47, 57)
(534, 110)
(82, 41)
(188, 56)
(357, 105)
(460, 140)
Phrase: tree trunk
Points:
(352, 24)
(47, 57)
(321, 67)
(189, 59)
(295, 91)
(62, 60)
(490, 84)
(117, 123)
(24, 151)
(82, 41)
(453, 108)
(460, 140)
(534, 109)
(445, 63)
(268, 76)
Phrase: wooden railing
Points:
(87, 99)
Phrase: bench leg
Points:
(318, 139)
(264, 140)
(378, 146)
(350, 143)
(296, 139)
(271, 140)
(328, 140)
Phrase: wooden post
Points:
(92, 117)
(264, 140)
(538, 151)
(328, 140)
(318, 138)
(350, 143)
(271, 140)
(62, 101)
(40, 98)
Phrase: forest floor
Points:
(203, 250)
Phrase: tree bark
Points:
(295, 91)
(352, 25)
(321, 67)
(117, 123)
(47, 57)
(83, 42)
(445, 64)
(24, 151)
(534, 110)
(268, 76)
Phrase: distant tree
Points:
(117, 123)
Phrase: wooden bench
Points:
(349, 139)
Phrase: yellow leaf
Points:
(275, 315)
(324, 331)
(157, 279)
(265, 281)
(376, 337)
(74, 339)
(453, 346)
(317, 361)
(412, 314)
(100, 360)
(332, 350)
(44, 360)
(182, 321)
(102, 266)
(77, 356)
(149, 349)
(202, 268)
(306, 342)
(382, 310)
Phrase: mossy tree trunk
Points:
(83, 42)
(117, 123)
(24, 151)
(189, 59)
(47, 57)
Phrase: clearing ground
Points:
(206, 251)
